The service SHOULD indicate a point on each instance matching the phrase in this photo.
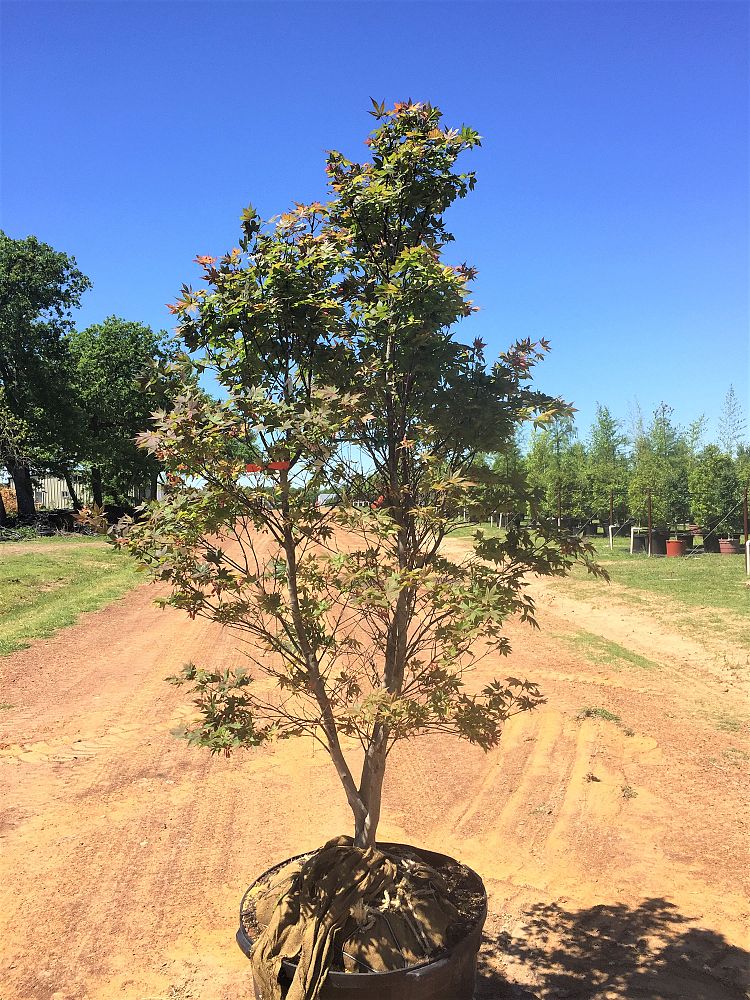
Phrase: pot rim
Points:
(338, 977)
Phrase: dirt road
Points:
(613, 852)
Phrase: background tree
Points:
(39, 287)
(660, 466)
(13, 446)
(742, 466)
(499, 482)
(732, 424)
(607, 467)
(556, 470)
(112, 362)
(693, 437)
(742, 471)
(333, 327)
(508, 493)
(714, 490)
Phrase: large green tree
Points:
(607, 466)
(556, 470)
(661, 460)
(732, 424)
(505, 490)
(331, 329)
(742, 466)
(714, 490)
(39, 288)
(114, 363)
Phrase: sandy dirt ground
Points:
(614, 853)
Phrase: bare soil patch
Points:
(124, 853)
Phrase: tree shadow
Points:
(651, 952)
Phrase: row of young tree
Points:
(74, 400)
(71, 400)
(612, 474)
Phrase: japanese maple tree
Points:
(307, 508)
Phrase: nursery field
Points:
(701, 595)
(708, 592)
(610, 825)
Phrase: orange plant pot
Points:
(675, 547)
(729, 547)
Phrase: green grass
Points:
(45, 584)
(39, 541)
(701, 581)
(699, 590)
(598, 713)
(596, 649)
(694, 593)
(469, 530)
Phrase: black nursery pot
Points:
(659, 542)
(450, 976)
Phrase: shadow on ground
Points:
(611, 951)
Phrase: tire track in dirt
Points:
(596, 812)
(706, 660)
(128, 838)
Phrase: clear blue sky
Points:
(611, 212)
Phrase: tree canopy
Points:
(39, 288)
(556, 468)
(114, 364)
(660, 469)
(607, 466)
(334, 327)
(714, 490)
(732, 424)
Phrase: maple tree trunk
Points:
(373, 768)
(371, 788)
(315, 680)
